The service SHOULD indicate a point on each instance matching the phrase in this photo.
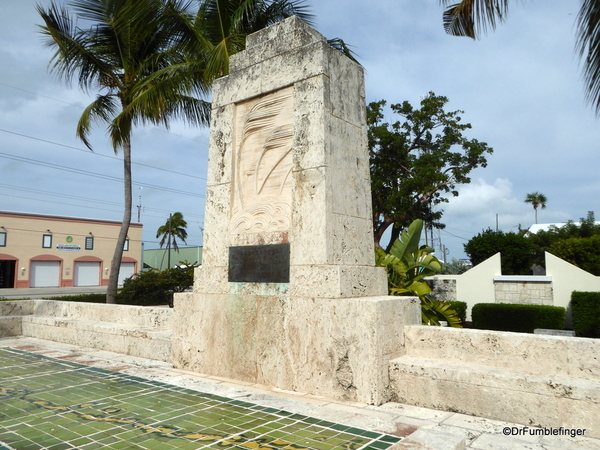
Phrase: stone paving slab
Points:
(419, 428)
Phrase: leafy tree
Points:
(515, 248)
(473, 17)
(537, 200)
(417, 162)
(454, 267)
(155, 287)
(407, 265)
(544, 240)
(129, 52)
(581, 252)
(174, 228)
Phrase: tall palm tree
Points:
(220, 27)
(472, 18)
(537, 200)
(131, 53)
(173, 229)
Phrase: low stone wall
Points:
(550, 381)
(524, 290)
(132, 330)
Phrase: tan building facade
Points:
(54, 251)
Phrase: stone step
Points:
(136, 341)
(496, 393)
(534, 354)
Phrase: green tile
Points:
(380, 445)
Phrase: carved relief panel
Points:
(262, 168)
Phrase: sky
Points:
(520, 88)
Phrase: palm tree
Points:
(130, 53)
(472, 18)
(220, 27)
(537, 200)
(172, 229)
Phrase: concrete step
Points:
(136, 341)
(534, 380)
(132, 330)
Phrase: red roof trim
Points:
(88, 259)
(5, 257)
(46, 258)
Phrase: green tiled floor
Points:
(55, 404)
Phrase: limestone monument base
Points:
(288, 294)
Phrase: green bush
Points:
(586, 313)
(516, 250)
(156, 287)
(519, 318)
(461, 310)
(89, 298)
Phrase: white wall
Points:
(477, 285)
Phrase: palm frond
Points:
(103, 109)
(473, 18)
(588, 47)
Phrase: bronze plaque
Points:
(260, 263)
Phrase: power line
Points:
(86, 199)
(93, 174)
(99, 154)
(81, 107)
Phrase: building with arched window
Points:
(53, 251)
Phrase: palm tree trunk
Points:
(115, 265)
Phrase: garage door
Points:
(127, 270)
(45, 273)
(87, 273)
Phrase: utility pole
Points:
(169, 242)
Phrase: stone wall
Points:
(442, 289)
(528, 292)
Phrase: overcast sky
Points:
(520, 88)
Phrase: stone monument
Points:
(288, 294)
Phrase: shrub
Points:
(88, 298)
(519, 318)
(460, 308)
(586, 313)
(516, 250)
(581, 252)
(156, 287)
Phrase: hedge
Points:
(461, 310)
(88, 298)
(156, 287)
(586, 313)
(519, 318)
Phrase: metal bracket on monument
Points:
(260, 263)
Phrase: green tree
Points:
(454, 267)
(472, 18)
(548, 240)
(173, 229)
(581, 252)
(537, 200)
(516, 250)
(130, 53)
(416, 163)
